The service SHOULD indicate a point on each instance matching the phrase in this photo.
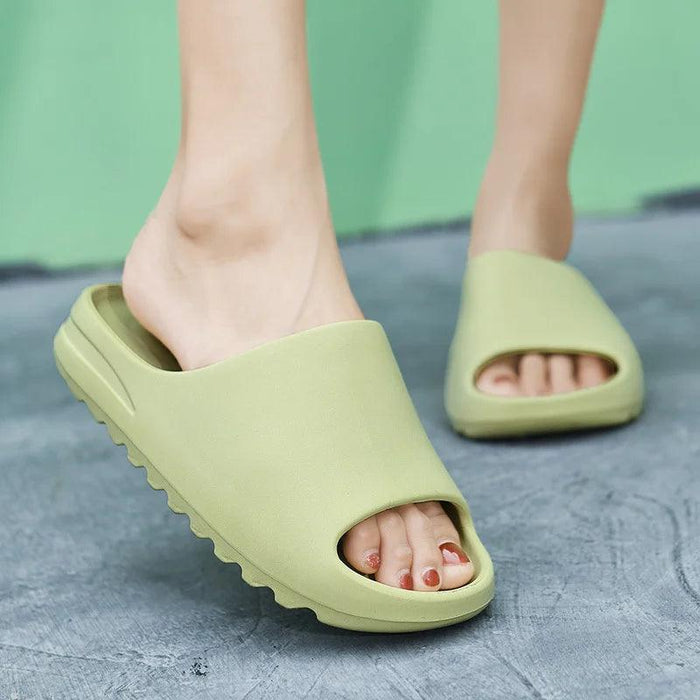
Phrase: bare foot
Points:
(214, 274)
(536, 216)
(537, 374)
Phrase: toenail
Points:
(406, 582)
(372, 560)
(453, 554)
(431, 578)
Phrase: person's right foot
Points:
(536, 219)
(211, 282)
(539, 374)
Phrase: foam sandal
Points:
(514, 303)
(275, 454)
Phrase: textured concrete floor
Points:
(596, 538)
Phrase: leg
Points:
(524, 202)
(245, 206)
(240, 249)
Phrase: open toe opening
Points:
(424, 545)
(533, 373)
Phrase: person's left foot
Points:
(414, 546)
(210, 287)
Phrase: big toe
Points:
(457, 568)
(499, 378)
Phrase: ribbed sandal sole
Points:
(248, 441)
(229, 555)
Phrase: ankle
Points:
(524, 206)
(237, 214)
(232, 272)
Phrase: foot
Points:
(538, 374)
(533, 215)
(415, 547)
(212, 280)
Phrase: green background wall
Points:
(404, 93)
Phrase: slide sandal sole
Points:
(225, 552)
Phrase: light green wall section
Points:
(88, 122)
(404, 93)
(406, 124)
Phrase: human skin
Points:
(240, 248)
(524, 203)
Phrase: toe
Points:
(592, 370)
(499, 378)
(562, 374)
(427, 557)
(361, 546)
(457, 569)
(395, 552)
(532, 371)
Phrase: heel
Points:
(88, 374)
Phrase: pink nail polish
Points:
(406, 582)
(453, 554)
(373, 561)
(431, 578)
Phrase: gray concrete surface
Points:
(596, 538)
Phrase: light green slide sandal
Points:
(275, 454)
(516, 302)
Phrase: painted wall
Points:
(404, 93)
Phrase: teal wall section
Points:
(404, 93)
